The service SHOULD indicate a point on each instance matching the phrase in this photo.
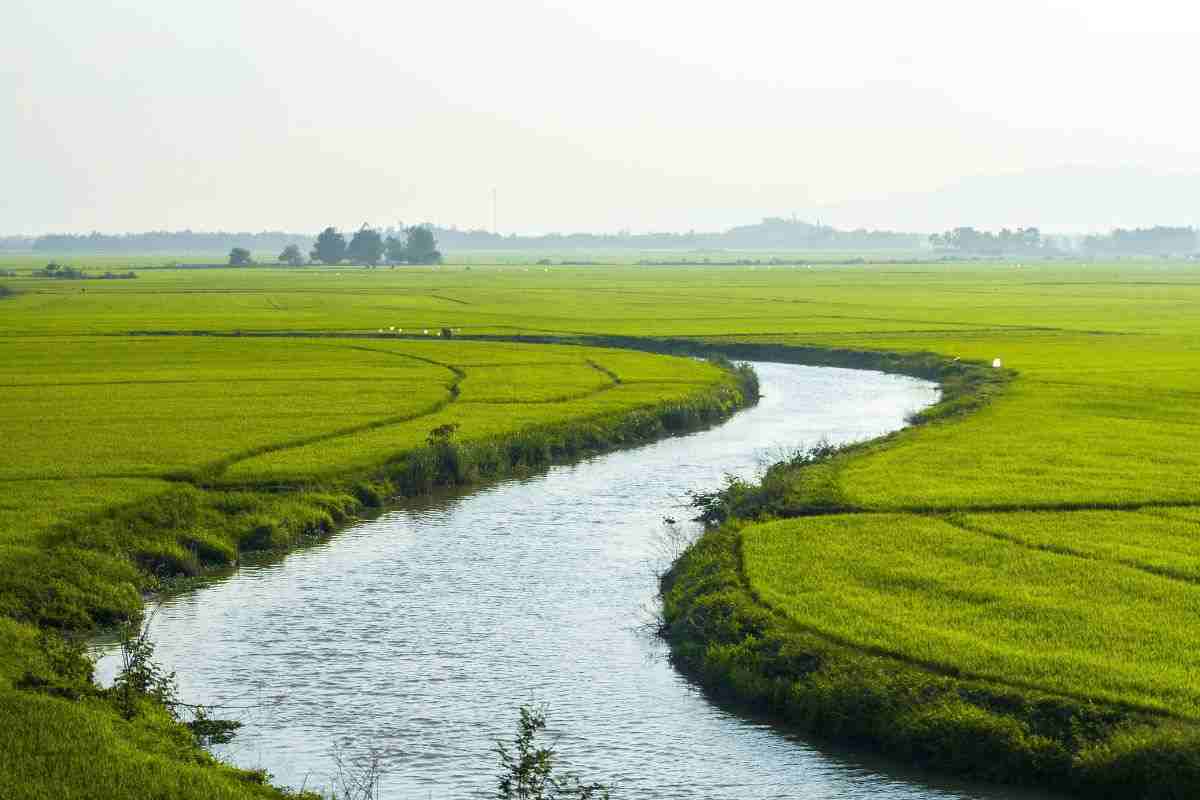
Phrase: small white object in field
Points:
(392, 328)
(427, 331)
(996, 363)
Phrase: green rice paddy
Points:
(1042, 549)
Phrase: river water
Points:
(418, 634)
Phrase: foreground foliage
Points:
(529, 771)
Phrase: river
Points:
(419, 633)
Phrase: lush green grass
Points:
(114, 442)
(1043, 542)
(1039, 446)
(922, 712)
(123, 407)
(1161, 541)
(927, 591)
(945, 303)
(476, 421)
(133, 460)
(57, 745)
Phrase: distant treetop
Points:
(775, 232)
(239, 257)
(330, 247)
(366, 247)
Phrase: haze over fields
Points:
(600, 116)
(1069, 199)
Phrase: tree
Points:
(330, 247)
(1159, 240)
(366, 247)
(421, 246)
(396, 249)
(292, 255)
(239, 257)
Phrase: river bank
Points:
(469, 604)
(194, 528)
(744, 649)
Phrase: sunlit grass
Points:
(940, 595)
(1060, 554)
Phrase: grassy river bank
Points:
(162, 460)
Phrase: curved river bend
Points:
(420, 632)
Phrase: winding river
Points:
(420, 632)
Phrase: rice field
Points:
(92, 415)
(1019, 600)
(1046, 544)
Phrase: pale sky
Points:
(588, 115)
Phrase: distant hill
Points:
(1074, 199)
(771, 233)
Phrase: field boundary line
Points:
(935, 667)
(450, 299)
(603, 370)
(1016, 508)
(217, 468)
(1069, 552)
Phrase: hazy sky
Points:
(648, 115)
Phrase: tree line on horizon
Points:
(416, 244)
(773, 232)
(1161, 240)
(1022, 241)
